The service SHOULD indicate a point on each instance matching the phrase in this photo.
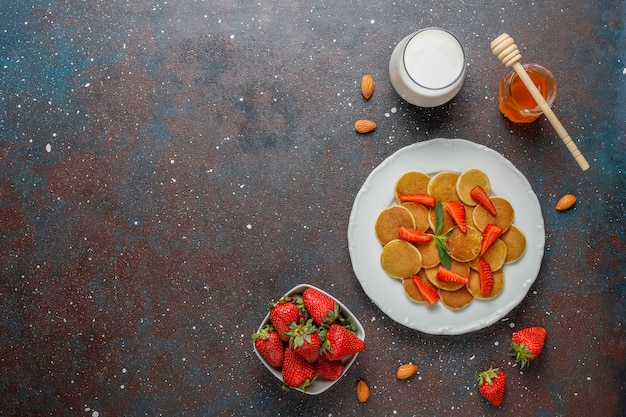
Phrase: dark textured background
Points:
(169, 167)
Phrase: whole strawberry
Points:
(297, 372)
(527, 344)
(305, 339)
(330, 370)
(322, 308)
(492, 385)
(341, 343)
(284, 312)
(269, 345)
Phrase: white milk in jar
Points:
(427, 68)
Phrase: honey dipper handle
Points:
(507, 52)
(554, 121)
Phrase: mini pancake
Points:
(504, 214)
(515, 244)
(390, 220)
(400, 259)
(474, 285)
(430, 254)
(420, 215)
(469, 219)
(461, 268)
(494, 256)
(412, 182)
(448, 223)
(466, 183)
(442, 186)
(456, 300)
(411, 290)
(464, 247)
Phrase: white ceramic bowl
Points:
(320, 384)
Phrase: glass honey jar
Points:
(516, 103)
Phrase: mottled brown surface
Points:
(168, 168)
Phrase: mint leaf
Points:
(438, 217)
(442, 249)
(440, 240)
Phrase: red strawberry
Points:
(330, 370)
(305, 340)
(491, 233)
(527, 344)
(456, 210)
(341, 343)
(480, 196)
(492, 385)
(425, 199)
(444, 274)
(322, 308)
(282, 314)
(429, 294)
(486, 276)
(412, 235)
(269, 345)
(297, 372)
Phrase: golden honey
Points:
(516, 103)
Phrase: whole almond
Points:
(362, 391)
(364, 126)
(367, 86)
(567, 201)
(405, 371)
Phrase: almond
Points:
(364, 126)
(406, 371)
(362, 391)
(367, 86)
(567, 201)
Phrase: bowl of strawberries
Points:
(308, 339)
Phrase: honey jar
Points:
(516, 103)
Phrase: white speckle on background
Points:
(48, 148)
(249, 226)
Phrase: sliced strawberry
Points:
(456, 210)
(486, 277)
(425, 199)
(490, 235)
(444, 274)
(412, 235)
(429, 294)
(480, 196)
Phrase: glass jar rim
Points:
(462, 67)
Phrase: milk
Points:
(427, 68)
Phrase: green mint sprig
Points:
(440, 239)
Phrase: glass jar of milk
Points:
(427, 68)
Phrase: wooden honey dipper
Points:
(505, 49)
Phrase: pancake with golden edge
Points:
(402, 260)
(390, 221)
